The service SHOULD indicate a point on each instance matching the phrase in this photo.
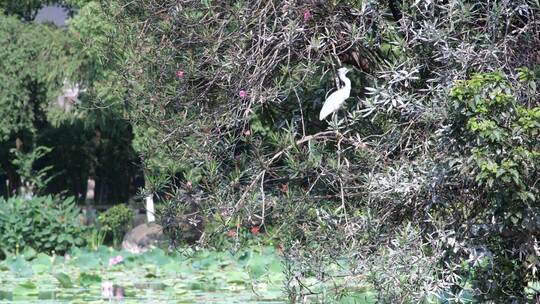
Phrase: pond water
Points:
(154, 277)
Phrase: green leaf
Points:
(86, 279)
(257, 265)
(27, 288)
(87, 261)
(42, 263)
(64, 279)
(20, 267)
(28, 285)
(237, 277)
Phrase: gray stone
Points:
(143, 238)
(139, 219)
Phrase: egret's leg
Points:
(335, 118)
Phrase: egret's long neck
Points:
(346, 81)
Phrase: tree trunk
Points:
(21, 185)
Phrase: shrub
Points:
(33, 180)
(116, 220)
(498, 135)
(495, 152)
(234, 117)
(45, 224)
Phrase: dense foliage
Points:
(33, 66)
(116, 220)
(87, 136)
(226, 95)
(494, 153)
(425, 186)
(45, 224)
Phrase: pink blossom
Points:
(189, 185)
(179, 74)
(307, 15)
(231, 233)
(255, 229)
(247, 132)
(115, 260)
(242, 93)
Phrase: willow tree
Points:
(231, 91)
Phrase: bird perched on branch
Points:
(336, 99)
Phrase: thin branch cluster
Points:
(226, 95)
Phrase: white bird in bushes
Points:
(336, 99)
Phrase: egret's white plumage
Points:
(336, 99)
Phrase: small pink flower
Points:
(189, 185)
(242, 93)
(247, 132)
(231, 233)
(307, 15)
(255, 229)
(179, 74)
(115, 260)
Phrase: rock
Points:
(139, 218)
(143, 238)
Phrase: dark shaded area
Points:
(80, 153)
(394, 8)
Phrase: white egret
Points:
(336, 99)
